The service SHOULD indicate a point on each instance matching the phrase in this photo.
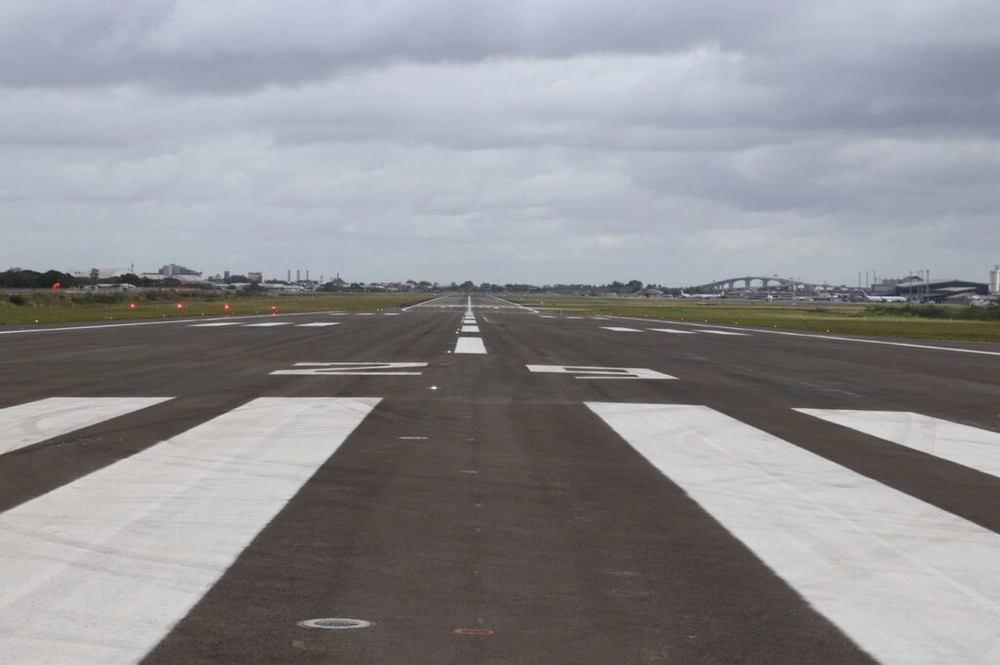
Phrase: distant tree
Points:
(51, 277)
(130, 278)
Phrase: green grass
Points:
(839, 318)
(70, 307)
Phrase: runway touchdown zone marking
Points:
(28, 424)
(908, 582)
(98, 571)
(968, 446)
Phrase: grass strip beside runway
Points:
(842, 319)
(70, 307)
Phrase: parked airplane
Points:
(868, 298)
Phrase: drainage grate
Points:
(335, 624)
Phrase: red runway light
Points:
(132, 305)
(180, 305)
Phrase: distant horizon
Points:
(866, 280)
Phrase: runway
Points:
(478, 482)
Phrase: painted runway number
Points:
(600, 372)
(352, 369)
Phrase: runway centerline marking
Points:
(100, 570)
(908, 582)
(27, 424)
(470, 345)
(962, 444)
(583, 372)
(620, 329)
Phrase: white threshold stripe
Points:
(673, 331)
(470, 345)
(619, 329)
(318, 324)
(470, 329)
(28, 424)
(98, 571)
(911, 584)
(218, 324)
(724, 332)
(269, 324)
(962, 444)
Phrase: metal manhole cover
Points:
(335, 624)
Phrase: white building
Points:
(995, 280)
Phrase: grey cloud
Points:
(545, 140)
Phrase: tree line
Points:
(16, 278)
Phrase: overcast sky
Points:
(544, 141)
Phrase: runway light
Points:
(132, 305)
(226, 307)
(180, 305)
(274, 310)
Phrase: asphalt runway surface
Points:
(469, 481)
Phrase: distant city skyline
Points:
(865, 278)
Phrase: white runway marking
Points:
(269, 324)
(673, 331)
(352, 369)
(600, 372)
(218, 324)
(724, 332)
(28, 424)
(470, 329)
(618, 329)
(318, 324)
(908, 582)
(98, 571)
(969, 446)
(470, 345)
